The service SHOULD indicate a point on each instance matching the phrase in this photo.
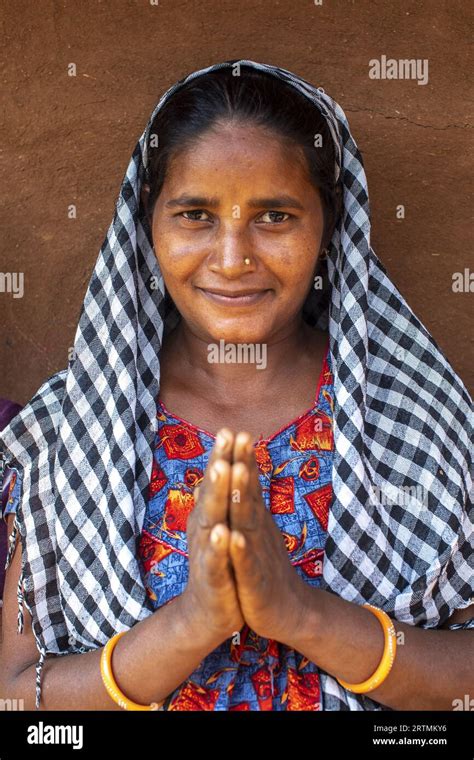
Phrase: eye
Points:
(279, 214)
(194, 211)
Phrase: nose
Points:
(230, 249)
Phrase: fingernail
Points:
(216, 536)
(213, 474)
(222, 442)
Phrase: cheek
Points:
(176, 260)
(294, 267)
(297, 250)
(308, 256)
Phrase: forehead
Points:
(235, 150)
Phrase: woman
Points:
(243, 539)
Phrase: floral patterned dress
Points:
(253, 673)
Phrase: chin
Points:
(245, 331)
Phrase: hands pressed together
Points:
(239, 566)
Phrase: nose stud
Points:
(247, 261)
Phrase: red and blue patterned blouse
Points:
(295, 467)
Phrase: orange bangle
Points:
(388, 657)
(111, 684)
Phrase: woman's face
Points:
(238, 192)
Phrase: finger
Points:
(244, 451)
(223, 446)
(242, 507)
(213, 503)
(217, 555)
(242, 558)
(242, 447)
(222, 449)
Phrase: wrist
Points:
(307, 619)
(194, 627)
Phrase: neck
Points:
(226, 378)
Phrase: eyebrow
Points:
(281, 201)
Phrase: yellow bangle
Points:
(111, 684)
(388, 657)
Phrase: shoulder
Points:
(31, 431)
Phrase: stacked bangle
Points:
(388, 656)
(110, 683)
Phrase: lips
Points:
(234, 297)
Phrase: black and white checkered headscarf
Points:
(401, 525)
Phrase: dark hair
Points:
(254, 96)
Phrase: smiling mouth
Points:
(239, 298)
